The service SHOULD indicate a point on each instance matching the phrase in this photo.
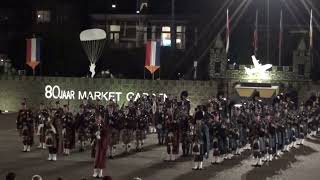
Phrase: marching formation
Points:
(219, 129)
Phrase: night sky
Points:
(64, 54)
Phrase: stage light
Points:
(1, 60)
(137, 11)
(6, 111)
(114, 6)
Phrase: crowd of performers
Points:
(219, 128)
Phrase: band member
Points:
(81, 126)
(160, 124)
(52, 140)
(25, 126)
(101, 146)
(186, 135)
(113, 119)
(57, 121)
(172, 138)
(142, 120)
(68, 131)
(128, 128)
(200, 143)
(41, 120)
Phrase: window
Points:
(166, 36)
(43, 16)
(217, 67)
(301, 69)
(180, 41)
(115, 33)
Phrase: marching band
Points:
(218, 128)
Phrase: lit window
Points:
(179, 29)
(114, 28)
(180, 40)
(115, 33)
(166, 36)
(43, 16)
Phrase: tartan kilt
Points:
(115, 136)
(126, 136)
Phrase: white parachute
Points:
(93, 41)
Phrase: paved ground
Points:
(301, 163)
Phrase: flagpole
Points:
(280, 39)
(268, 31)
(256, 38)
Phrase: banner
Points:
(152, 62)
(33, 52)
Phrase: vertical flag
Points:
(311, 30)
(33, 52)
(152, 62)
(280, 38)
(255, 36)
(227, 33)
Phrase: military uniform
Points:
(68, 132)
(141, 128)
(42, 119)
(200, 143)
(81, 126)
(127, 131)
(160, 125)
(113, 119)
(52, 141)
(172, 137)
(25, 126)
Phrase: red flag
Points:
(311, 30)
(227, 33)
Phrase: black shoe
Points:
(195, 168)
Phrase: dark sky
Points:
(211, 16)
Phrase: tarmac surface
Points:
(299, 164)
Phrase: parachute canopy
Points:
(93, 41)
(92, 35)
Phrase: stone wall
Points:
(13, 89)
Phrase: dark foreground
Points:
(301, 163)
